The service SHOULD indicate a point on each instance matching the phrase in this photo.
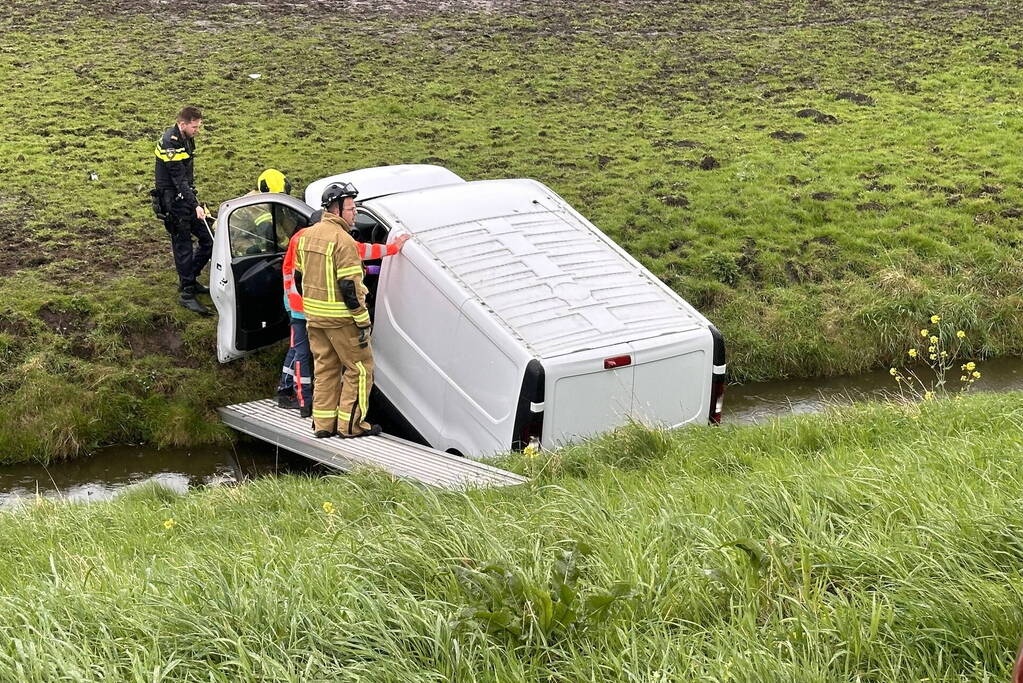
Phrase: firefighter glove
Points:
(364, 334)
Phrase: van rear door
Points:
(252, 234)
(662, 382)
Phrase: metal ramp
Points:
(400, 458)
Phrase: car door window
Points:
(263, 228)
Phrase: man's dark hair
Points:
(189, 114)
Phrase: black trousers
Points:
(189, 258)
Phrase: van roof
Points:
(382, 180)
(557, 283)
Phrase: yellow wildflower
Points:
(971, 366)
(931, 349)
(934, 340)
(976, 374)
(912, 353)
(530, 450)
(928, 395)
(934, 356)
(944, 354)
(924, 332)
(169, 523)
(328, 507)
(963, 378)
(960, 334)
(892, 371)
(935, 319)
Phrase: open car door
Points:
(252, 234)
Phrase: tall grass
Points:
(875, 543)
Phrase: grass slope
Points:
(817, 178)
(879, 543)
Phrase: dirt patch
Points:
(822, 196)
(678, 200)
(795, 181)
(603, 161)
(875, 186)
(855, 98)
(818, 116)
(1013, 212)
(747, 260)
(677, 144)
(65, 323)
(786, 136)
(871, 206)
(985, 191)
(709, 163)
(162, 339)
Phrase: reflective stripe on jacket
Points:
(292, 298)
(326, 255)
(175, 158)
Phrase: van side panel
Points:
(412, 340)
(484, 376)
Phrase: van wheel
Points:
(454, 451)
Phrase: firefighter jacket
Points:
(292, 297)
(175, 155)
(328, 260)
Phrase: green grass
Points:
(816, 256)
(877, 543)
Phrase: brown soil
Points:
(786, 136)
(675, 200)
(871, 206)
(709, 163)
(818, 116)
(856, 98)
(65, 323)
(822, 196)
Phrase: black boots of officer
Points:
(188, 300)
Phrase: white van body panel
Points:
(383, 180)
(538, 281)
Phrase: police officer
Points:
(183, 217)
(328, 276)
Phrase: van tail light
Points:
(528, 427)
(617, 362)
(719, 379)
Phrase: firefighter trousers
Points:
(343, 377)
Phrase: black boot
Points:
(188, 300)
(286, 400)
(201, 289)
(305, 411)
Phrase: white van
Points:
(508, 318)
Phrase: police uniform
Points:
(175, 183)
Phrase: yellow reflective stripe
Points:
(346, 272)
(299, 262)
(331, 279)
(264, 217)
(343, 415)
(328, 414)
(171, 154)
(362, 317)
(363, 408)
(336, 306)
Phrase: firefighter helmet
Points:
(272, 180)
(336, 192)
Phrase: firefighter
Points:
(182, 215)
(294, 390)
(328, 276)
